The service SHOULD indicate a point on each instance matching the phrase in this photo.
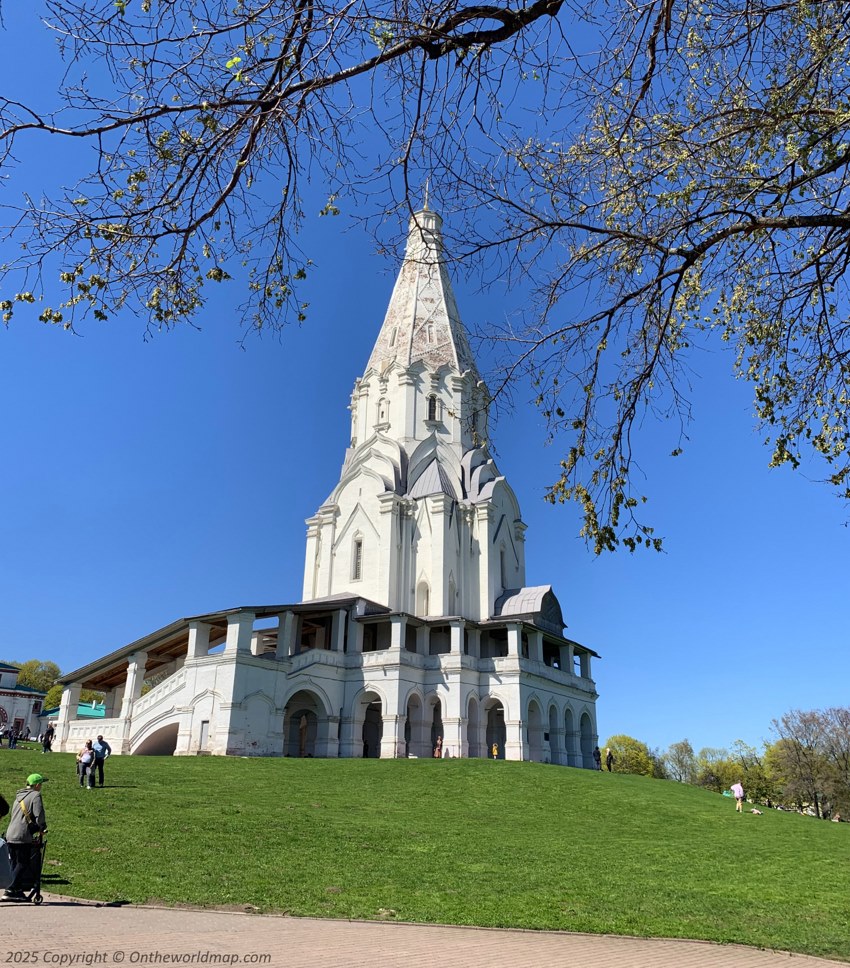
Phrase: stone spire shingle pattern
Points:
(422, 322)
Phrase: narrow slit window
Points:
(432, 407)
(357, 560)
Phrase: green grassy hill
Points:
(453, 841)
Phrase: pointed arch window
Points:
(432, 406)
(423, 595)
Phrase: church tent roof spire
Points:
(422, 323)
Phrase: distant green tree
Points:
(680, 762)
(759, 783)
(715, 770)
(812, 758)
(53, 697)
(631, 755)
(38, 674)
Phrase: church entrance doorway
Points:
(415, 734)
(373, 731)
(497, 735)
(301, 725)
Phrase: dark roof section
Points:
(170, 641)
(17, 688)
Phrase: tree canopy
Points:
(667, 178)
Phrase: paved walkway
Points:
(64, 931)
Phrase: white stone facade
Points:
(415, 630)
(20, 706)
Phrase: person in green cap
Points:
(27, 825)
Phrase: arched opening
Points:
(423, 599)
(586, 728)
(368, 725)
(535, 733)
(432, 407)
(415, 732)
(301, 719)
(473, 729)
(555, 747)
(373, 731)
(573, 758)
(436, 726)
(496, 733)
(163, 742)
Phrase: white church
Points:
(416, 632)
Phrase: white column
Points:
(398, 632)
(350, 746)
(337, 643)
(584, 661)
(474, 636)
(132, 690)
(486, 587)
(327, 739)
(388, 526)
(515, 640)
(67, 711)
(439, 507)
(134, 682)
(286, 635)
(311, 559)
(516, 747)
(199, 640)
(392, 737)
(567, 658)
(355, 635)
(454, 740)
(457, 637)
(423, 640)
(239, 629)
(535, 645)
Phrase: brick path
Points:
(63, 931)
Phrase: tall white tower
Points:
(420, 521)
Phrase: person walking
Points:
(609, 759)
(27, 826)
(102, 750)
(47, 739)
(597, 758)
(85, 765)
(738, 794)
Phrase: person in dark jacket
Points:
(27, 825)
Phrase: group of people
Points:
(91, 760)
(24, 835)
(13, 734)
(609, 758)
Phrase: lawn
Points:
(453, 841)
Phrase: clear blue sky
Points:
(145, 481)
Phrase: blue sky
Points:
(145, 481)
